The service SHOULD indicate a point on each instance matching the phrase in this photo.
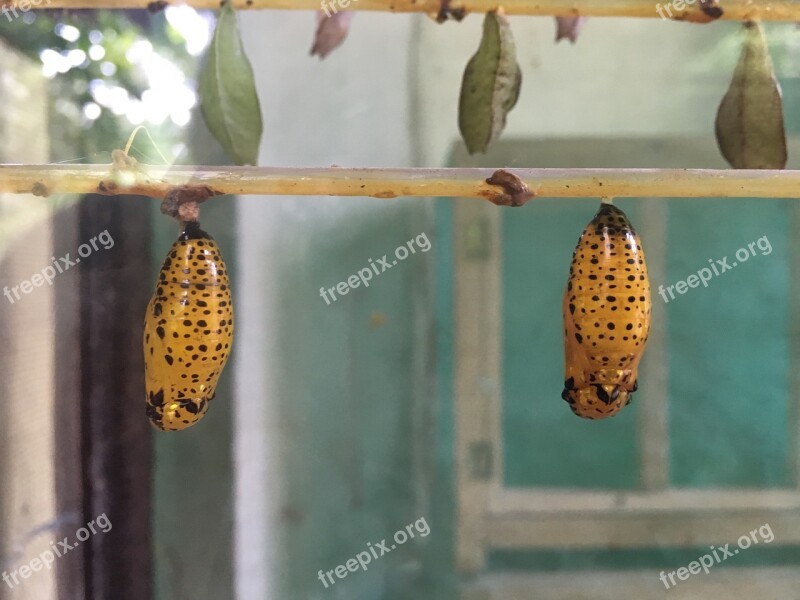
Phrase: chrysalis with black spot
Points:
(188, 331)
(606, 311)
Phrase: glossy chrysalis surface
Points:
(606, 311)
(188, 331)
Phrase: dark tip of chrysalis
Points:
(607, 209)
(192, 231)
(606, 205)
(611, 219)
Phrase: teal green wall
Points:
(728, 346)
(346, 403)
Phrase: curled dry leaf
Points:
(569, 28)
(491, 85)
(227, 90)
(749, 126)
(331, 32)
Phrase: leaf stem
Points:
(701, 10)
(201, 182)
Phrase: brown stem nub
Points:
(513, 191)
(182, 201)
(446, 13)
(157, 6)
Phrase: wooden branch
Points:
(698, 10)
(186, 184)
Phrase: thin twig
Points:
(187, 183)
(700, 10)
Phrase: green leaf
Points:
(228, 98)
(490, 87)
(749, 125)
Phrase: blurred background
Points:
(432, 395)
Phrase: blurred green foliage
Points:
(71, 134)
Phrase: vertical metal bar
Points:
(70, 572)
(116, 434)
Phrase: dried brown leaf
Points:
(569, 28)
(331, 32)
